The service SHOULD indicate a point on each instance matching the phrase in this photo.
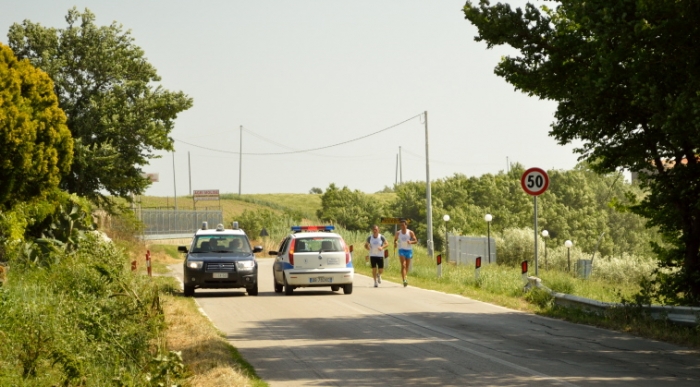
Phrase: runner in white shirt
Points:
(376, 244)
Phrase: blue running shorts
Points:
(406, 253)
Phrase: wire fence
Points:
(161, 223)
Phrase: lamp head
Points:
(545, 233)
(568, 244)
(446, 218)
(488, 217)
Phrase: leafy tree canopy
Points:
(37, 148)
(104, 84)
(355, 210)
(626, 76)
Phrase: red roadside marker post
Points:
(477, 268)
(535, 182)
(148, 262)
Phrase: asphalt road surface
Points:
(396, 336)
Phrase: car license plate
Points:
(321, 280)
(220, 275)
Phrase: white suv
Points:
(313, 256)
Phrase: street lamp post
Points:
(446, 218)
(568, 245)
(545, 234)
(488, 218)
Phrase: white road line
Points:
(367, 309)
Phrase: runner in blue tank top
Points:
(404, 239)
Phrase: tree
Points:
(626, 77)
(104, 84)
(354, 210)
(37, 148)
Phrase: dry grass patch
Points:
(209, 358)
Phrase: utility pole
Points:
(428, 199)
(240, 162)
(189, 170)
(396, 177)
(174, 184)
(400, 167)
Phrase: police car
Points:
(220, 258)
(313, 256)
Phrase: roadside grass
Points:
(209, 359)
(82, 318)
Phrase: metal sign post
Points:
(534, 182)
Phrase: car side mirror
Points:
(182, 249)
(257, 249)
(272, 253)
(351, 248)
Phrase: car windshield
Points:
(305, 244)
(221, 244)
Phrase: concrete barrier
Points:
(681, 315)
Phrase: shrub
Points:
(514, 246)
(83, 317)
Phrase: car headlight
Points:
(245, 265)
(195, 264)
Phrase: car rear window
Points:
(306, 244)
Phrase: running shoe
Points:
(375, 284)
(379, 279)
(405, 283)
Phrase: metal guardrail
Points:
(681, 315)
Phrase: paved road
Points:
(396, 336)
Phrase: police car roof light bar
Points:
(313, 228)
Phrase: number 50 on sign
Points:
(534, 181)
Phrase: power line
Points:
(300, 151)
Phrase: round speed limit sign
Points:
(534, 181)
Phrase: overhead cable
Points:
(300, 151)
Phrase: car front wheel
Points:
(189, 290)
(253, 291)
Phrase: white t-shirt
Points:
(404, 239)
(375, 244)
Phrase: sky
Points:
(320, 92)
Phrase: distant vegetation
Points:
(579, 205)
